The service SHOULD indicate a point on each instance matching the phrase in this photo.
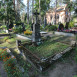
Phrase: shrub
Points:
(18, 29)
(27, 32)
(71, 24)
(42, 27)
(76, 54)
(5, 38)
(51, 28)
(75, 76)
(10, 64)
(28, 26)
(3, 27)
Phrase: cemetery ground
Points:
(55, 69)
(11, 44)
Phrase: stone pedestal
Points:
(36, 33)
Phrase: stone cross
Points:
(36, 29)
(36, 14)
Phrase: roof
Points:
(62, 8)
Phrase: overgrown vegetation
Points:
(48, 48)
(9, 64)
(51, 27)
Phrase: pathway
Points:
(66, 68)
(2, 71)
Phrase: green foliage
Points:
(76, 50)
(48, 48)
(42, 27)
(71, 24)
(2, 32)
(5, 38)
(76, 54)
(75, 7)
(3, 27)
(17, 29)
(75, 76)
(7, 12)
(51, 28)
(28, 26)
(10, 64)
(44, 4)
(28, 32)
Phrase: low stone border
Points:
(42, 64)
(65, 34)
(4, 34)
(23, 37)
(43, 33)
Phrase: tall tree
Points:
(42, 6)
(7, 12)
(27, 11)
(75, 7)
(18, 8)
(32, 9)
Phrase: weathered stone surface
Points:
(64, 34)
(73, 43)
(36, 29)
(57, 56)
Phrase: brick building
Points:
(62, 15)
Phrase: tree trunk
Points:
(39, 12)
(18, 11)
(27, 11)
(14, 9)
(14, 4)
(32, 9)
(55, 12)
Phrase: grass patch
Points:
(10, 43)
(48, 48)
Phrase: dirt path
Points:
(65, 68)
(2, 71)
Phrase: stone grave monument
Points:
(36, 30)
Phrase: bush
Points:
(18, 29)
(42, 27)
(27, 32)
(75, 76)
(28, 26)
(10, 64)
(6, 38)
(76, 54)
(51, 28)
(3, 27)
(71, 24)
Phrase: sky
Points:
(25, 2)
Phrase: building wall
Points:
(63, 16)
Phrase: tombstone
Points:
(36, 29)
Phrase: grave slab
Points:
(23, 37)
(64, 34)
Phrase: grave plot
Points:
(72, 30)
(42, 52)
(48, 48)
(67, 32)
(47, 52)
